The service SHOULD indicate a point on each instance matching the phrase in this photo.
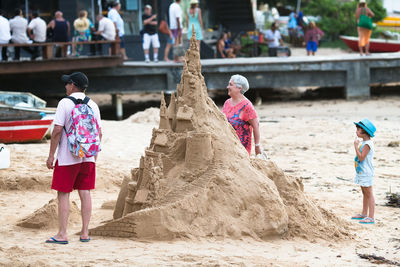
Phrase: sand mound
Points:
(150, 115)
(109, 205)
(197, 180)
(307, 220)
(47, 216)
(11, 182)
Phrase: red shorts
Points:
(79, 176)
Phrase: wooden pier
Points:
(353, 73)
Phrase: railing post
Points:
(115, 46)
(116, 100)
(47, 51)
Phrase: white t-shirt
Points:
(107, 27)
(175, 11)
(5, 35)
(276, 36)
(116, 17)
(18, 27)
(39, 27)
(63, 118)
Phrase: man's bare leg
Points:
(86, 212)
(63, 214)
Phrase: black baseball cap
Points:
(78, 78)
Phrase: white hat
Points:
(362, 1)
(147, 6)
(192, 2)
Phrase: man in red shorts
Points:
(71, 172)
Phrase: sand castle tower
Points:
(196, 179)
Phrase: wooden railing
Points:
(47, 47)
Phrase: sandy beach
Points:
(311, 140)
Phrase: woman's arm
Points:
(256, 132)
(370, 13)
(357, 14)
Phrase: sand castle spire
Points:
(193, 40)
(164, 121)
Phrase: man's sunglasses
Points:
(69, 82)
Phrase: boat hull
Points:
(376, 45)
(23, 131)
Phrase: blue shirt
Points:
(365, 168)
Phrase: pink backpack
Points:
(83, 134)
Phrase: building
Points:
(392, 6)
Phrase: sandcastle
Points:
(197, 180)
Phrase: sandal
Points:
(367, 220)
(359, 217)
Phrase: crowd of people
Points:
(17, 30)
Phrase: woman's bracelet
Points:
(258, 144)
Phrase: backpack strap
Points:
(79, 101)
(73, 99)
(76, 102)
(86, 100)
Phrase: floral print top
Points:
(238, 116)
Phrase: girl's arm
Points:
(363, 154)
(320, 32)
(256, 132)
(307, 37)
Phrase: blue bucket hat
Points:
(367, 125)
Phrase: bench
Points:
(47, 47)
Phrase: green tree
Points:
(338, 18)
(377, 7)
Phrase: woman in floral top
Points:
(241, 114)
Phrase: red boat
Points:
(23, 131)
(376, 45)
(23, 117)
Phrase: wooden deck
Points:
(59, 64)
(51, 63)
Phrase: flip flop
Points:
(52, 240)
(84, 239)
(358, 217)
(367, 220)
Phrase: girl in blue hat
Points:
(365, 169)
